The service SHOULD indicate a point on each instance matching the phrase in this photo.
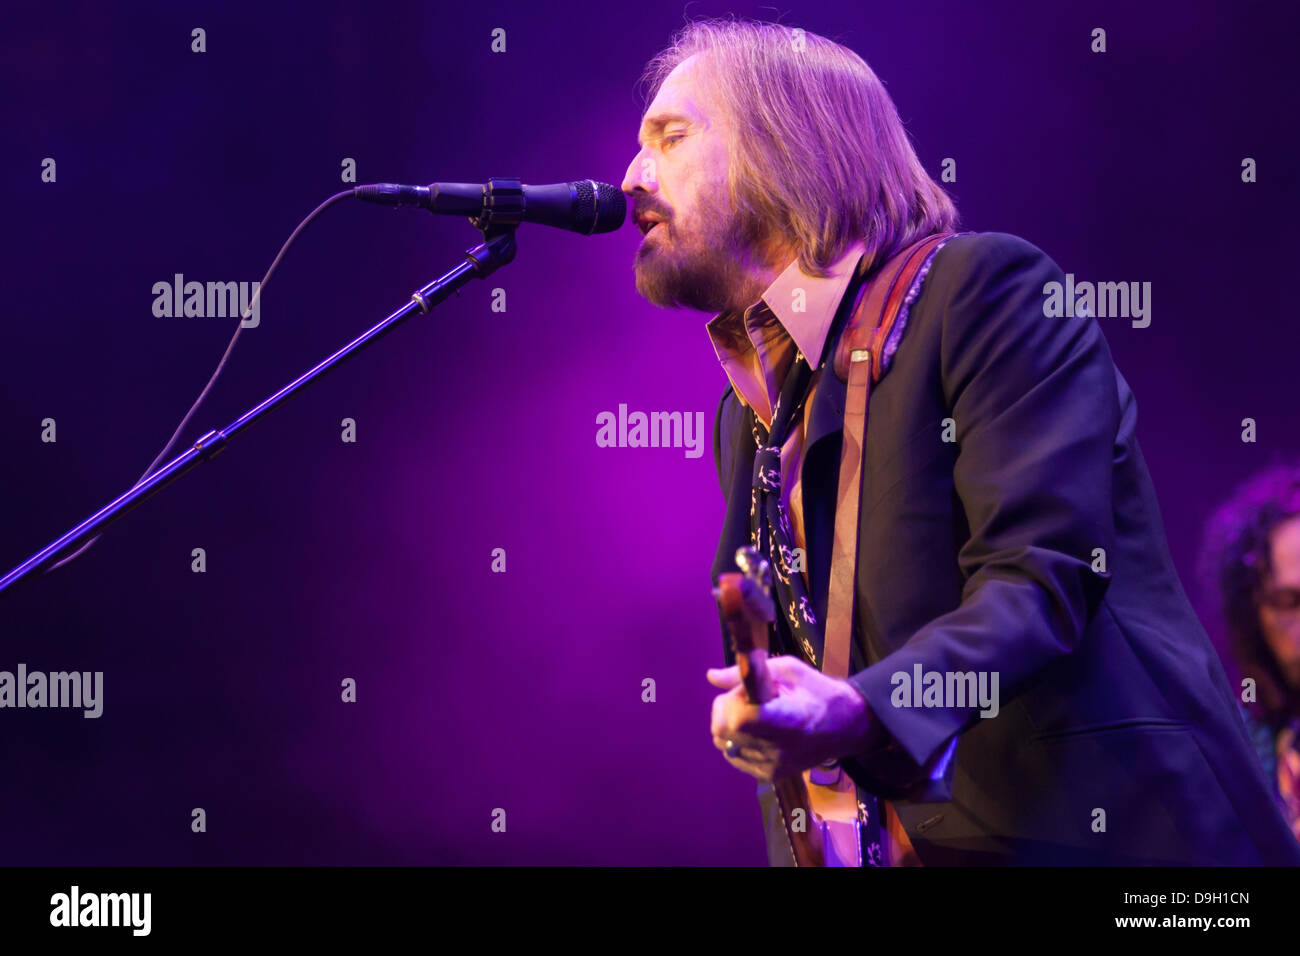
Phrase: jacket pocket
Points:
(1138, 791)
(1111, 726)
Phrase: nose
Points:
(640, 175)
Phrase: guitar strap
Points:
(864, 353)
(862, 356)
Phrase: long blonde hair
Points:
(818, 152)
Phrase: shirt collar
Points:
(807, 328)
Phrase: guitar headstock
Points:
(745, 601)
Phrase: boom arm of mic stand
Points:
(496, 249)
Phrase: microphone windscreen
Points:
(601, 204)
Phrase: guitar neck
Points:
(759, 686)
(746, 611)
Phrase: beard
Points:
(700, 265)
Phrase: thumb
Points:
(724, 677)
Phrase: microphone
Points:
(584, 206)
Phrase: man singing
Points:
(1006, 527)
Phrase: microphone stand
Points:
(496, 249)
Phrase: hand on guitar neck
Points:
(779, 717)
(783, 715)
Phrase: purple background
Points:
(476, 429)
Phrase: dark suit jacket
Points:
(977, 555)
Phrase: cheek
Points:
(1268, 625)
(1281, 632)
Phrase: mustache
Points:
(652, 210)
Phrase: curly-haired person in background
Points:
(1252, 561)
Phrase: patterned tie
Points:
(770, 533)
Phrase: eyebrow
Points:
(655, 124)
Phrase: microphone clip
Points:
(503, 206)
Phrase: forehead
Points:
(680, 99)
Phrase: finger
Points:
(724, 677)
(718, 718)
(751, 747)
(755, 762)
(788, 669)
(734, 714)
(725, 719)
(757, 771)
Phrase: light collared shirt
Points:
(757, 348)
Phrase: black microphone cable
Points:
(337, 197)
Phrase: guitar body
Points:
(819, 808)
(834, 801)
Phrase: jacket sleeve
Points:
(1035, 407)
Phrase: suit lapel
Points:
(819, 470)
(819, 467)
(826, 418)
(737, 442)
(817, 476)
